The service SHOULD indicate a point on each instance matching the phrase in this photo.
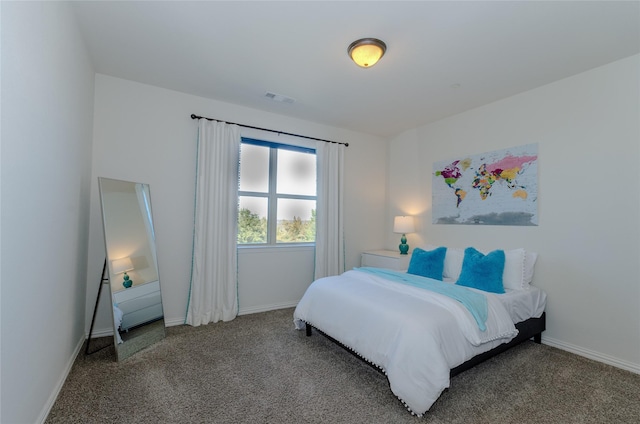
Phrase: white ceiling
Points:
(443, 57)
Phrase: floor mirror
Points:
(132, 265)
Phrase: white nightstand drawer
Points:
(385, 259)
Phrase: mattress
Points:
(524, 304)
(521, 304)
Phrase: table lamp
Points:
(403, 225)
(123, 265)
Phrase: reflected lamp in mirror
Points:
(403, 225)
(123, 265)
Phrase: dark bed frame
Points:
(531, 328)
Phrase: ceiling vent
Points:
(279, 98)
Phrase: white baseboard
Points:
(170, 322)
(173, 321)
(63, 377)
(265, 308)
(102, 332)
(596, 356)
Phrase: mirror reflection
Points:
(138, 317)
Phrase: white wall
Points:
(145, 134)
(588, 237)
(47, 103)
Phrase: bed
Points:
(139, 304)
(421, 331)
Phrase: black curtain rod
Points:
(194, 116)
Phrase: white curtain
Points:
(214, 295)
(329, 210)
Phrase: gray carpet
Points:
(258, 369)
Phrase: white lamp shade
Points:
(121, 265)
(403, 224)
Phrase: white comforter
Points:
(415, 336)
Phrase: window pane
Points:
(254, 168)
(296, 221)
(252, 220)
(296, 173)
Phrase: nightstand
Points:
(390, 259)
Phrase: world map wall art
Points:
(494, 188)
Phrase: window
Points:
(277, 193)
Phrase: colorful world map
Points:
(494, 188)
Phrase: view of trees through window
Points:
(253, 229)
(277, 196)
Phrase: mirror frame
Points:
(129, 238)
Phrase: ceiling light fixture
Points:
(366, 52)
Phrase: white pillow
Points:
(513, 275)
(452, 262)
(529, 262)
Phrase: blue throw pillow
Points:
(428, 263)
(483, 272)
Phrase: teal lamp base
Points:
(404, 247)
(127, 282)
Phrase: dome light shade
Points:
(367, 51)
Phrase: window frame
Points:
(272, 196)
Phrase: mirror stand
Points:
(103, 280)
